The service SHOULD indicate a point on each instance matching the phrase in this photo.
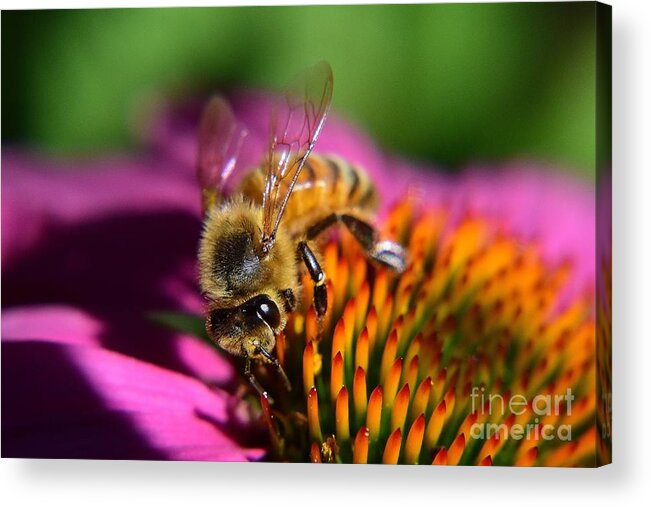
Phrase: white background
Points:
(628, 480)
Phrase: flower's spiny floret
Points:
(397, 373)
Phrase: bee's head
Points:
(244, 330)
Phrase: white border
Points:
(102, 483)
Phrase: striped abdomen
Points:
(326, 184)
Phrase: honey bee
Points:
(255, 241)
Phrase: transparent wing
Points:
(296, 123)
(220, 141)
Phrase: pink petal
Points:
(115, 239)
(39, 194)
(146, 341)
(61, 324)
(76, 401)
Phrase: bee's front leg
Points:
(254, 381)
(318, 278)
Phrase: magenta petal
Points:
(60, 324)
(115, 239)
(106, 234)
(146, 341)
(75, 401)
(39, 193)
(202, 361)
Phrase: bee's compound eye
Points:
(265, 309)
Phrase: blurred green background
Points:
(446, 83)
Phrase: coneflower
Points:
(413, 368)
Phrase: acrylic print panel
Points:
(382, 236)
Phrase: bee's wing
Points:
(220, 140)
(296, 123)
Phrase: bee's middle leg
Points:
(386, 252)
